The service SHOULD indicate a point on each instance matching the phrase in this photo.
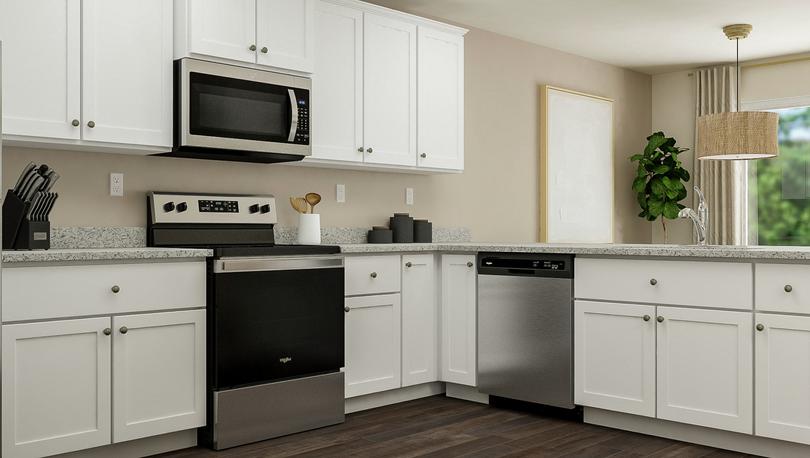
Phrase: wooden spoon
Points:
(313, 199)
(299, 204)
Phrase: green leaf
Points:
(684, 174)
(661, 169)
(641, 198)
(671, 210)
(639, 184)
(656, 207)
(636, 157)
(657, 187)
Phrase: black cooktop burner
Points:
(273, 250)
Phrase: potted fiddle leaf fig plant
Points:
(660, 178)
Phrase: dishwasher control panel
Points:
(526, 264)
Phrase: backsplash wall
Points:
(496, 197)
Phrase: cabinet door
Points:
(783, 378)
(127, 72)
(373, 330)
(284, 34)
(41, 67)
(458, 322)
(56, 387)
(441, 100)
(614, 357)
(389, 54)
(705, 368)
(223, 28)
(420, 316)
(159, 373)
(337, 84)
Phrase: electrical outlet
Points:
(340, 193)
(117, 184)
(408, 196)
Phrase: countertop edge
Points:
(103, 254)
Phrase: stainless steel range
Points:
(275, 317)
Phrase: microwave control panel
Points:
(302, 132)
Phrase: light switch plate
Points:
(408, 196)
(340, 193)
(116, 184)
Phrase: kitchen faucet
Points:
(700, 219)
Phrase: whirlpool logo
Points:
(285, 360)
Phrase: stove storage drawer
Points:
(372, 275)
(48, 292)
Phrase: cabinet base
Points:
(147, 446)
(716, 438)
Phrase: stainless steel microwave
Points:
(227, 112)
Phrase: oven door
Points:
(275, 318)
(229, 108)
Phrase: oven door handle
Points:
(293, 115)
(232, 265)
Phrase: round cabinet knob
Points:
(75, 123)
(373, 275)
(653, 281)
(123, 330)
(168, 207)
(91, 124)
(408, 264)
(423, 155)
(115, 289)
(660, 319)
(107, 331)
(182, 206)
(788, 288)
(265, 50)
(369, 150)
(347, 309)
(254, 208)
(760, 327)
(470, 264)
(252, 47)
(647, 318)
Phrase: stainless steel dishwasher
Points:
(525, 327)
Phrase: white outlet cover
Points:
(340, 193)
(116, 184)
(408, 196)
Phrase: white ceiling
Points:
(652, 36)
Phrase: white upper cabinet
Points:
(218, 28)
(337, 84)
(420, 320)
(127, 72)
(458, 320)
(389, 47)
(441, 99)
(284, 34)
(41, 73)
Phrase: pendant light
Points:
(739, 135)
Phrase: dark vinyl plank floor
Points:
(444, 427)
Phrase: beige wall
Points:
(496, 197)
(673, 111)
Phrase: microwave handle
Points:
(293, 115)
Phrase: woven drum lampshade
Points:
(740, 135)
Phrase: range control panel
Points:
(211, 209)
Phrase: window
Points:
(779, 188)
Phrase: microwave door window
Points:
(232, 108)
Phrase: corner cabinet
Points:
(458, 319)
(389, 89)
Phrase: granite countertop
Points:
(613, 250)
(102, 254)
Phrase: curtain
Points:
(723, 182)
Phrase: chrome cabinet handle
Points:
(107, 331)
(653, 281)
(361, 149)
(369, 150)
(373, 275)
(409, 264)
(123, 330)
(347, 309)
(252, 47)
(265, 50)
(75, 123)
(660, 319)
(423, 155)
(115, 289)
(91, 124)
(760, 327)
(470, 264)
(788, 288)
(647, 318)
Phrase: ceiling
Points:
(651, 36)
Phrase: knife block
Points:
(18, 232)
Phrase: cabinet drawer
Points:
(709, 284)
(372, 275)
(33, 293)
(783, 288)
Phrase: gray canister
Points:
(402, 225)
(422, 231)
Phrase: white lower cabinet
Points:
(420, 316)
(614, 357)
(705, 368)
(158, 373)
(56, 387)
(783, 377)
(373, 345)
(458, 319)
